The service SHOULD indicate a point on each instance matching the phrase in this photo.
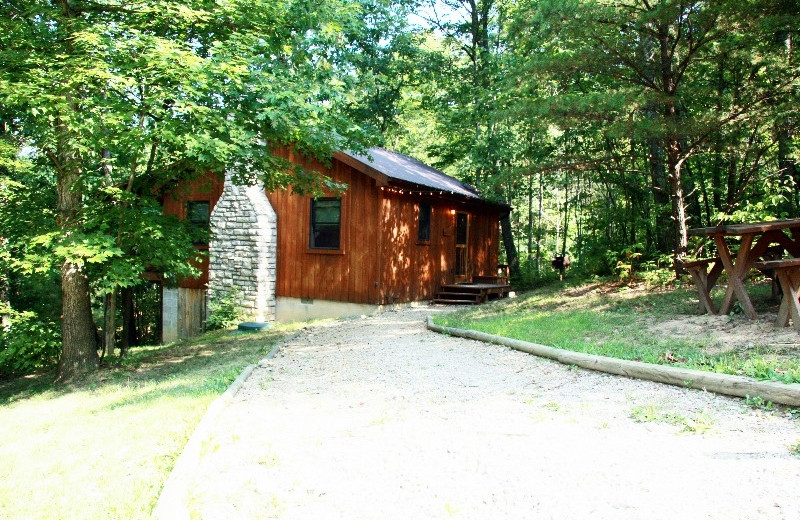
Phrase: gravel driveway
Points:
(377, 418)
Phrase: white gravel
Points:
(378, 418)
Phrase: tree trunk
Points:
(787, 166)
(566, 216)
(787, 169)
(661, 198)
(539, 225)
(706, 205)
(718, 146)
(5, 305)
(109, 324)
(110, 300)
(508, 242)
(530, 217)
(673, 146)
(578, 251)
(79, 339)
(128, 322)
(678, 204)
(78, 331)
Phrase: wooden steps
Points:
(453, 295)
(444, 301)
(471, 293)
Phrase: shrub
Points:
(224, 312)
(28, 343)
(530, 277)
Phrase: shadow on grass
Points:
(208, 363)
(615, 296)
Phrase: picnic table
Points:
(755, 241)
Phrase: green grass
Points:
(104, 446)
(701, 422)
(621, 322)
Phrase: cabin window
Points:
(461, 228)
(199, 214)
(326, 223)
(424, 223)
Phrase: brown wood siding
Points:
(483, 243)
(413, 270)
(350, 274)
(205, 187)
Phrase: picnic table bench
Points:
(787, 271)
(757, 242)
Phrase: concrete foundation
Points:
(169, 315)
(303, 309)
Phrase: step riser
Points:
(459, 294)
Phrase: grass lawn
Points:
(103, 447)
(644, 324)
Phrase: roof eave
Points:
(380, 178)
(476, 199)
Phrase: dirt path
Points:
(378, 418)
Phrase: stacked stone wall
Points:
(243, 251)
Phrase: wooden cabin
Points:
(400, 231)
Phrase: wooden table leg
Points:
(713, 275)
(700, 278)
(727, 263)
(790, 303)
(736, 273)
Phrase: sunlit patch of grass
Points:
(699, 423)
(795, 449)
(612, 320)
(646, 413)
(269, 459)
(553, 406)
(103, 447)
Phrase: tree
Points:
(384, 49)
(635, 70)
(464, 96)
(161, 90)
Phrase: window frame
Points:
(426, 240)
(204, 225)
(312, 230)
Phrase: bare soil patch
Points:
(734, 333)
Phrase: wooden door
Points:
(191, 312)
(462, 251)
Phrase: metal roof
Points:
(404, 168)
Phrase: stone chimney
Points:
(243, 250)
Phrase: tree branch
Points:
(52, 156)
(150, 161)
(77, 7)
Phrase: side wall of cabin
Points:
(349, 274)
(414, 270)
(205, 188)
(183, 308)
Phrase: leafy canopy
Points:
(106, 104)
